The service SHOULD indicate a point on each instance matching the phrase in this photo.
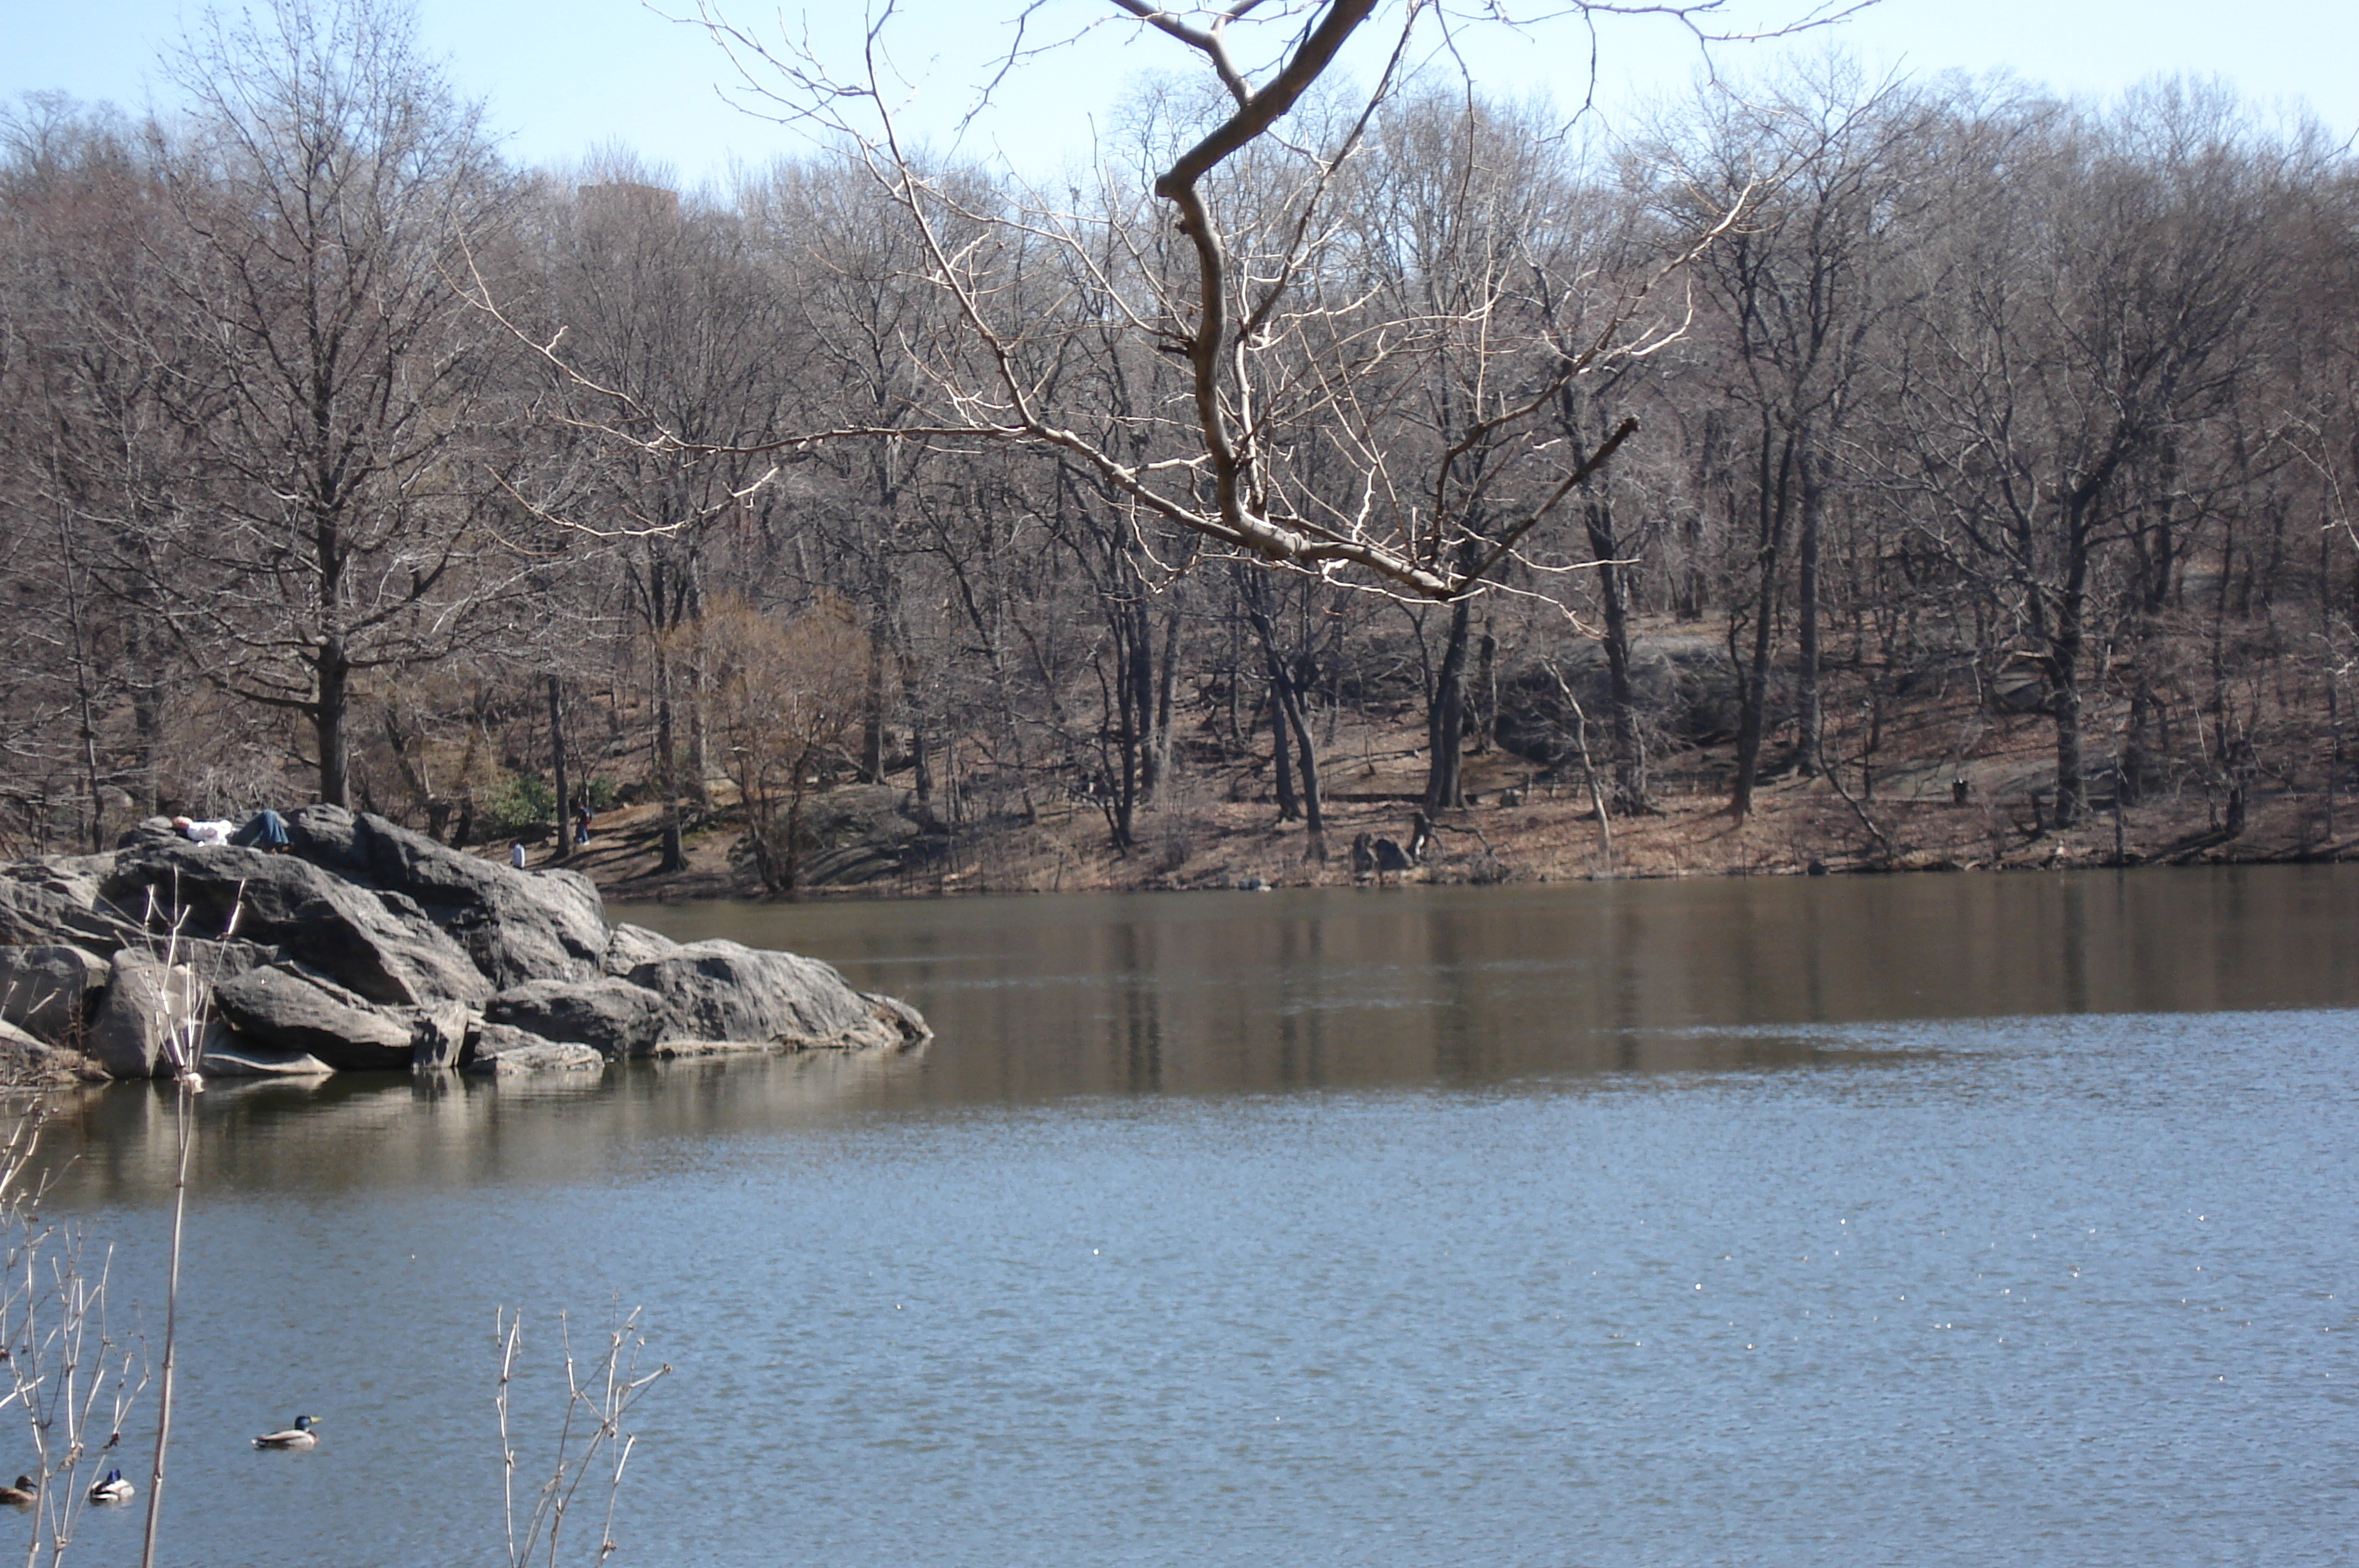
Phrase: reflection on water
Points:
(1229, 991)
(365, 1133)
(1038, 999)
(1944, 1220)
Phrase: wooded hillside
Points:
(1837, 428)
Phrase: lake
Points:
(1959, 1219)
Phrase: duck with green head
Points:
(113, 1490)
(300, 1435)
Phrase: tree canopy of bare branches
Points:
(1834, 426)
(1264, 448)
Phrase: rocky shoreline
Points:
(1512, 830)
(367, 947)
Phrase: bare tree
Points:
(98, 462)
(1237, 309)
(1803, 283)
(665, 307)
(319, 192)
(2086, 318)
(1485, 264)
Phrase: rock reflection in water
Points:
(1036, 1000)
(357, 1131)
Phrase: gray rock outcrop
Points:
(724, 990)
(368, 947)
(502, 1052)
(629, 946)
(149, 1004)
(37, 911)
(906, 1022)
(540, 925)
(346, 930)
(49, 991)
(287, 1008)
(437, 1040)
(614, 1017)
(1683, 684)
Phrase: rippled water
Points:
(1951, 1220)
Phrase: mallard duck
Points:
(22, 1495)
(300, 1435)
(113, 1490)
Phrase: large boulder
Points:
(149, 1005)
(630, 946)
(724, 990)
(514, 925)
(339, 929)
(613, 1016)
(49, 992)
(862, 832)
(502, 1051)
(287, 1008)
(39, 910)
(76, 877)
(217, 961)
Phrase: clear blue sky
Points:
(563, 75)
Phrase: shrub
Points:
(519, 801)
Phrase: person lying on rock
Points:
(203, 832)
(265, 830)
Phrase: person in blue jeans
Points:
(265, 830)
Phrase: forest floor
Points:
(1218, 831)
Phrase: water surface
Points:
(1932, 1220)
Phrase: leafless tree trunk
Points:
(318, 196)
